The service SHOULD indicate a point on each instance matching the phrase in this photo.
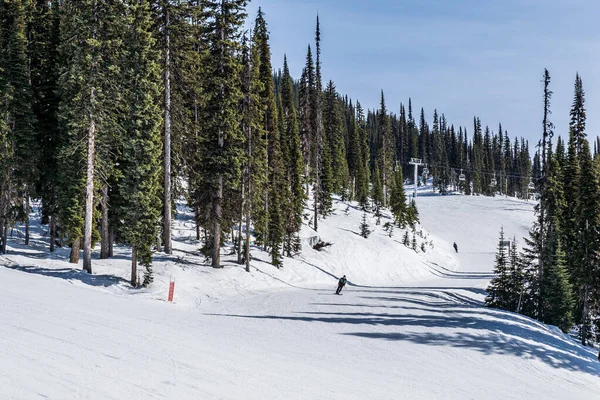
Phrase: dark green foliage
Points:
(364, 226)
(276, 168)
(222, 140)
(18, 153)
(363, 160)
(139, 183)
(377, 191)
(89, 86)
(557, 304)
(499, 294)
(330, 183)
(44, 77)
(384, 150)
(294, 163)
(18, 95)
(587, 221)
(412, 214)
(398, 204)
(406, 239)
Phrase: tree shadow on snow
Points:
(468, 325)
(70, 274)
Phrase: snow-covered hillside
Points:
(409, 326)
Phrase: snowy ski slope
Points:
(408, 326)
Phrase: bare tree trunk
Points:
(217, 197)
(74, 256)
(247, 247)
(216, 248)
(197, 214)
(249, 202)
(167, 150)
(111, 241)
(134, 281)
(316, 197)
(584, 317)
(89, 194)
(239, 238)
(52, 233)
(26, 218)
(384, 189)
(104, 224)
(306, 173)
(267, 198)
(4, 234)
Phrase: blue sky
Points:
(463, 57)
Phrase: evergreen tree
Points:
(90, 99)
(515, 287)
(44, 80)
(255, 150)
(385, 149)
(294, 163)
(557, 302)
(139, 183)
(498, 290)
(19, 120)
(276, 168)
(364, 226)
(377, 191)
(222, 142)
(398, 198)
(331, 127)
(306, 111)
(320, 148)
(587, 219)
(362, 177)
(412, 214)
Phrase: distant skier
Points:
(455, 247)
(341, 284)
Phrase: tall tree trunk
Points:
(26, 218)
(249, 203)
(104, 224)
(4, 234)
(216, 248)
(584, 317)
(217, 197)
(384, 188)
(134, 281)
(307, 175)
(197, 215)
(111, 241)
(316, 196)
(74, 256)
(52, 233)
(265, 244)
(239, 238)
(167, 150)
(89, 194)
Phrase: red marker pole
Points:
(171, 289)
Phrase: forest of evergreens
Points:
(112, 110)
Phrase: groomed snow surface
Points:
(410, 325)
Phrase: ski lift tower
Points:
(416, 162)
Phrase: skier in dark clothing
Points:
(341, 284)
(455, 247)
